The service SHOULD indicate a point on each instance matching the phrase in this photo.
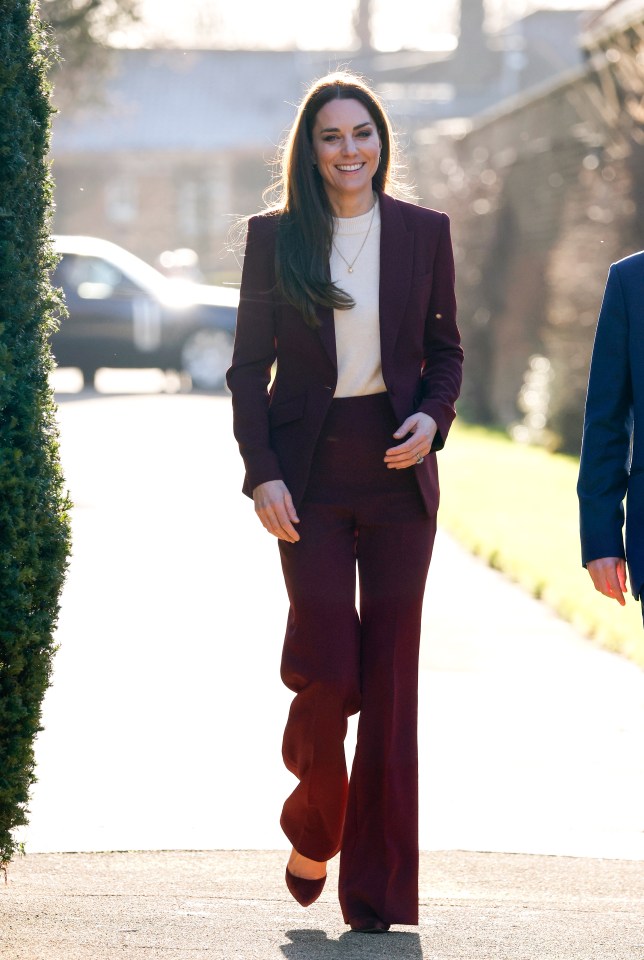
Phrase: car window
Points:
(92, 278)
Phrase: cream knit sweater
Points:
(357, 331)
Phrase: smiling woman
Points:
(347, 149)
(340, 149)
(351, 293)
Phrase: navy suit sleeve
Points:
(608, 422)
(254, 353)
(442, 369)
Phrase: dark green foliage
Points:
(34, 527)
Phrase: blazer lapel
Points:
(326, 332)
(396, 265)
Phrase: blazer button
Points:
(327, 387)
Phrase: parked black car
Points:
(124, 313)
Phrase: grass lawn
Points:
(516, 507)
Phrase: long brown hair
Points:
(305, 232)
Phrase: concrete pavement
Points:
(164, 721)
(234, 906)
(167, 710)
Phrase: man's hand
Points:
(609, 577)
(274, 507)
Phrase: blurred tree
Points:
(362, 24)
(82, 31)
(82, 25)
(208, 22)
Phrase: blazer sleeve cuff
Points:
(262, 468)
(613, 547)
(444, 417)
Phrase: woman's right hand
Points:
(274, 507)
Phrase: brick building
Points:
(545, 191)
(175, 149)
(178, 142)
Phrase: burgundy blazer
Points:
(277, 428)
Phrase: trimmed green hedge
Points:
(34, 525)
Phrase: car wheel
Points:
(88, 378)
(206, 356)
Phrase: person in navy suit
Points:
(612, 455)
(347, 295)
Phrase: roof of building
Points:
(613, 18)
(220, 100)
(208, 99)
(195, 99)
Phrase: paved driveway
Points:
(163, 725)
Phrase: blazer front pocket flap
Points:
(286, 410)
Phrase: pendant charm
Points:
(366, 237)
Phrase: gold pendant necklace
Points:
(351, 265)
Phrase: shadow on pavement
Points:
(315, 945)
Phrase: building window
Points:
(189, 213)
(219, 189)
(121, 200)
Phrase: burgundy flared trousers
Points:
(357, 514)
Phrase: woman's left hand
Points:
(423, 430)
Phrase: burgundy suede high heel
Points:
(305, 891)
